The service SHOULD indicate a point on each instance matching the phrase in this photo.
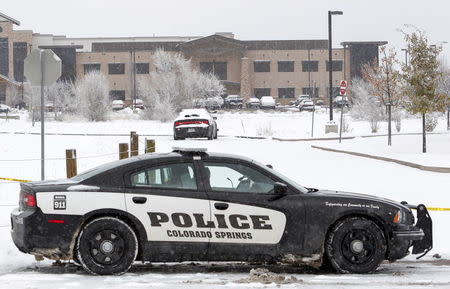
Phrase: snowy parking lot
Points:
(19, 158)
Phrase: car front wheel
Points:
(355, 245)
(107, 246)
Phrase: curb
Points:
(400, 162)
(353, 137)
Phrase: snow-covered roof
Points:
(9, 80)
(6, 18)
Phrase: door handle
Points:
(139, 200)
(221, 206)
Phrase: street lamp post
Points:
(330, 59)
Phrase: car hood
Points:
(359, 197)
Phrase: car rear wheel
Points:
(107, 246)
(355, 245)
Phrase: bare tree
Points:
(174, 85)
(385, 82)
(365, 105)
(422, 77)
(92, 92)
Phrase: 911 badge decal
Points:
(59, 202)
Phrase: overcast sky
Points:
(363, 20)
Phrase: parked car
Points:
(341, 101)
(214, 102)
(301, 97)
(194, 123)
(4, 108)
(233, 101)
(138, 103)
(253, 102)
(268, 102)
(306, 105)
(192, 205)
(117, 104)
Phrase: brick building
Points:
(281, 68)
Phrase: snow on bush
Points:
(431, 120)
(92, 92)
(366, 106)
(174, 85)
(61, 96)
(265, 130)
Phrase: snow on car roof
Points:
(191, 113)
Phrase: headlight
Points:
(399, 217)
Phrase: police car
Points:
(193, 123)
(190, 204)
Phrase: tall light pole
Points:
(330, 59)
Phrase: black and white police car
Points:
(192, 123)
(193, 205)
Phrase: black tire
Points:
(215, 134)
(211, 135)
(107, 246)
(355, 245)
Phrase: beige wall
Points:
(273, 79)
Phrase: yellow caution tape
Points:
(14, 180)
(437, 209)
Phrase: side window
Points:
(225, 177)
(174, 176)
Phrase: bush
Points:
(92, 92)
(431, 121)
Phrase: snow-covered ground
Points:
(19, 158)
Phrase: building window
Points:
(4, 56)
(142, 68)
(311, 91)
(260, 92)
(219, 69)
(285, 66)
(116, 68)
(335, 91)
(310, 66)
(288, 92)
(19, 54)
(117, 94)
(337, 65)
(2, 92)
(91, 67)
(261, 66)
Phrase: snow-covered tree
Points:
(61, 95)
(444, 86)
(385, 83)
(421, 77)
(366, 106)
(92, 92)
(174, 85)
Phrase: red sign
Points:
(343, 84)
(343, 88)
(342, 91)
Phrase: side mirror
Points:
(269, 166)
(280, 189)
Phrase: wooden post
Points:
(71, 163)
(123, 151)
(134, 144)
(150, 146)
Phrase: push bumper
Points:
(419, 236)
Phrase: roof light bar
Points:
(189, 150)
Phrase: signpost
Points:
(42, 68)
(342, 93)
